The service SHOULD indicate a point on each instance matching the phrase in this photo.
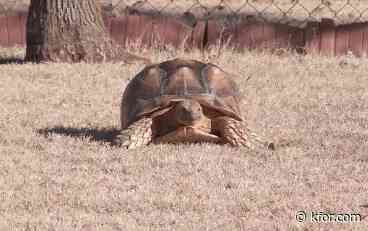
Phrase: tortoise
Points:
(183, 101)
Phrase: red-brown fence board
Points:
(365, 39)
(342, 40)
(197, 37)
(297, 37)
(23, 23)
(218, 33)
(249, 35)
(327, 35)
(117, 29)
(14, 30)
(139, 28)
(107, 22)
(282, 36)
(312, 38)
(289, 37)
(132, 28)
(229, 34)
(269, 34)
(242, 36)
(256, 35)
(356, 39)
(4, 31)
(184, 32)
(214, 32)
(171, 31)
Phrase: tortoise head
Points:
(188, 112)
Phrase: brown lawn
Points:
(58, 170)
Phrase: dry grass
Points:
(58, 170)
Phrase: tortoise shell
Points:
(158, 86)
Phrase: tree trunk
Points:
(70, 31)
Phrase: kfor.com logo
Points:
(327, 217)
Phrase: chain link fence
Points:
(290, 12)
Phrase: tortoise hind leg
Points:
(137, 134)
(236, 133)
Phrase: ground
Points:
(58, 170)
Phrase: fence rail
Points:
(327, 26)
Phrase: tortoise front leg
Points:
(137, 134)
(236, 133)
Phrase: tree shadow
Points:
(4, 61)
(105, 135)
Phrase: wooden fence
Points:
(319, 37)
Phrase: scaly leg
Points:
(236, 133)
(137, 134)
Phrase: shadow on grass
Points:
(105, 135)
(11, 61)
